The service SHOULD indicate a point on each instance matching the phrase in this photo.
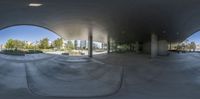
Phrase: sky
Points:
(195, 38)
(34, 33)
(26, 33)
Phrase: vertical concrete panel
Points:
(154, 45)
(163, 47)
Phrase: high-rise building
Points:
(1, 47)
(83, 44)
(75, 44)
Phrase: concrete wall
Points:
(162, 47)
(156, 48)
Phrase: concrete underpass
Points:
(147, 71)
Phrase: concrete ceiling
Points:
(124, 20)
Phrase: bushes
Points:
(13, 52)
(33, 52)
(20, 52)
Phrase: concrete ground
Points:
(55, 77)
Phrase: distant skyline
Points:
(26, 33)
(35, 33)
(195, 38)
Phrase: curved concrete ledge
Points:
(69, 79)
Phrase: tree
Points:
(19, 44)
(193, 46)
(51, 46)
(10, 44)
(15, 44)
(29, 46)
(187, 45)
(69, 45)
(44, 43)
(58, 43)
(183, 46)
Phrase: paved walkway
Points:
(173, 77)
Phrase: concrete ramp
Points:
(73, 77)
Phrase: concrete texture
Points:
(73, 77)
(173, 77)
(125, 20)
(26, 58)
(154, 45)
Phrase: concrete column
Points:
(170, 46)
(154, 45)
(90, 41)
(162, 47)
(108, 41)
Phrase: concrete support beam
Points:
(154, 45)
(90, 41)
(108, 41)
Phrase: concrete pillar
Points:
(162, 47)
(108, 41)
(170, 46)
(154, 45)
(90, 41)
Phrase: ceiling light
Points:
(35, 4)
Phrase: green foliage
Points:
(186, 46)
(19, 44)
(69, 45)
(10, 44)
(44, 43)
(193, 46)
(58, 43)
(20, 52)
(51, 46)
(29, 46)
(13, 52)
(33, 51)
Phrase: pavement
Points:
(114, 76)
